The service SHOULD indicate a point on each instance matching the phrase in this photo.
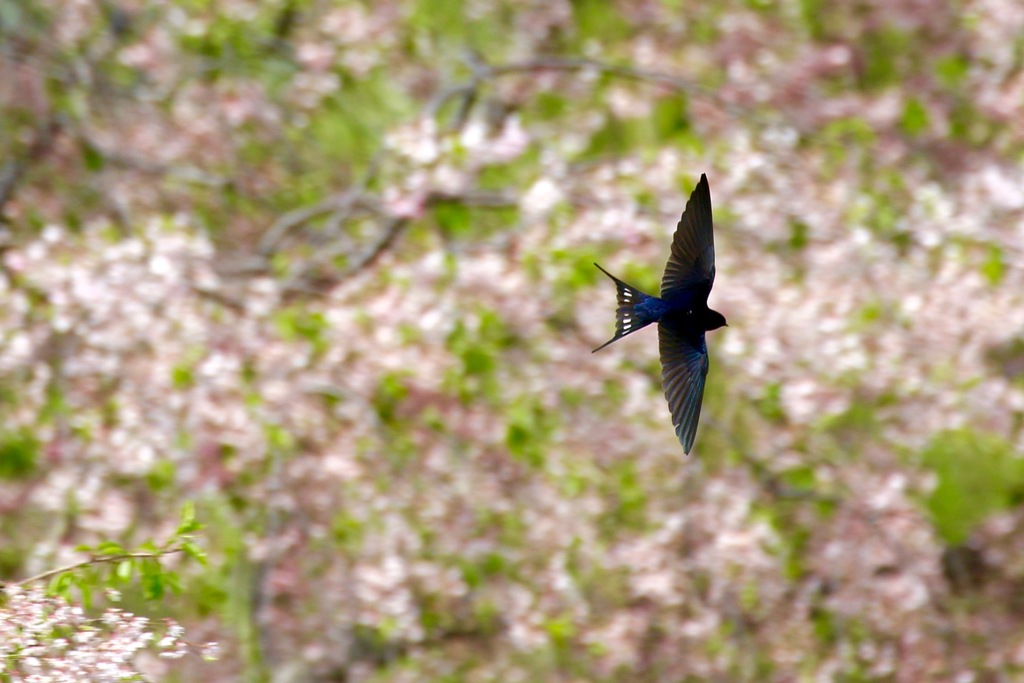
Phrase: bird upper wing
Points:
(684, 365)
(692, 263)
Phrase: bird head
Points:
(713, 320)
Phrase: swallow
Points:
(681, 312)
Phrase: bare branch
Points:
(272, 238)
(394, 226)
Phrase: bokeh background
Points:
(325, 269)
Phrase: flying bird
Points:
(681, 312)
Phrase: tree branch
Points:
(96, 559)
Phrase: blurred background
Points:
(325, 269)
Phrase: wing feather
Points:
(692, 262)
(684, 366)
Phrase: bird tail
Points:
(627, 318)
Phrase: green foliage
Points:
(161, 476)
(671, 119)
(799, 234)
(977, 474)
(348, 531)
(93, 159)
(530, 426)
(886, 57)
(110, 565)
(994, 266)
(231, 45)
(442, 19)
(476, 572)
(858, 422)
(614, 138)
(550, 106)
(453, 218)
(628, 495)
(391, 392)
(915, 117)
(812, 12)
(182, 377)
(968, 124)
(770, 404)
(19, 454)
(595, 19)
(298, 322)
(951, 70)
(843, 138)
(479, 352)
(575, 270)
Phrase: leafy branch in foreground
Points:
(123, 565)
(45, 634)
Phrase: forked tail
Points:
(630, 316)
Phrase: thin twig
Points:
(296, 217)
(96, 559)
(340, 205)
(394, 226)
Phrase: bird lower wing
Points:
(684, 365)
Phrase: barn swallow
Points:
(681, 312)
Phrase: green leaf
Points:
(124, 570)
(612, 139)
(62, 583)
(390, 393)
(915, 117)
(19, 454)
(528, 432)
(93, 158)
(453, 218)
(149, 546)
(182, 376)
(978, 474)
(109, 548)
(85, 591)
(298, 323)
(994, 267)
(172, 582)
(671, 117)
(951, 70)
(478, 360)
(550, 105)
(770, 403)
(153, 581)
(799, 233)
(278, 438)
(188, 519)
(161, 476)
(560, 629)
(813, 12)
(886, 56)
(195, 552)
(597, 20)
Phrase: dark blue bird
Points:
(681, 312)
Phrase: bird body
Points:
(681, 312)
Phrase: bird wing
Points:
(684, 365)
(692, 263)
